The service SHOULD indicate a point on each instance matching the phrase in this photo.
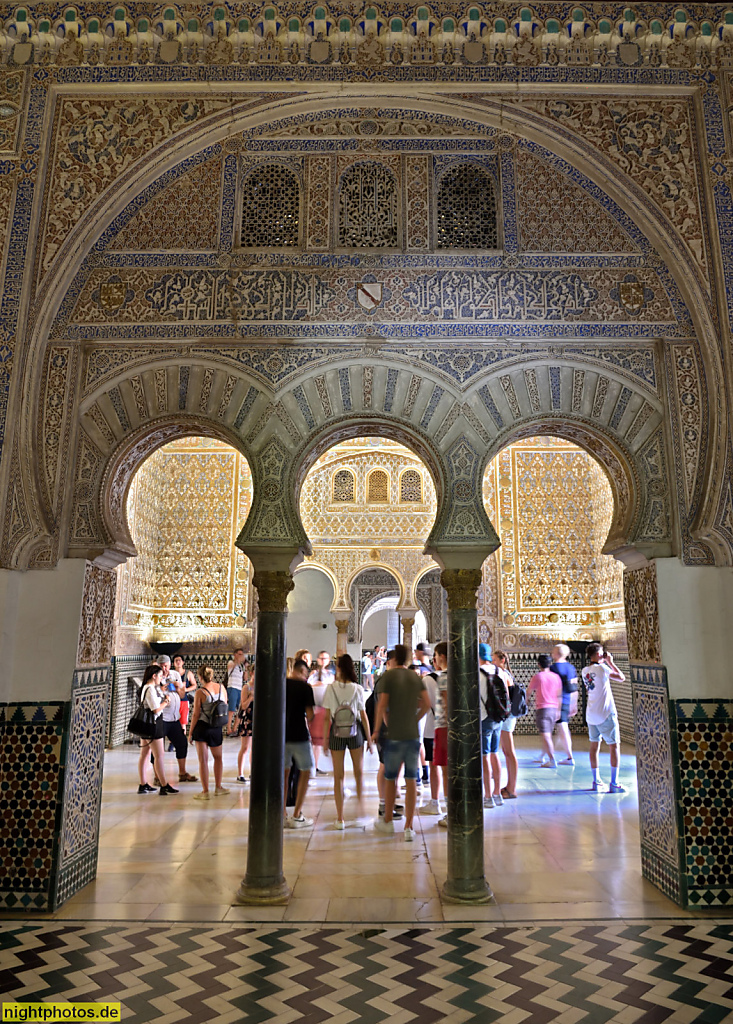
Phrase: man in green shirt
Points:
(403, 700)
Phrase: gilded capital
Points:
(461, 586)
(407, 621)
(272, 590)
(342, 625)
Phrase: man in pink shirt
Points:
(548, 688)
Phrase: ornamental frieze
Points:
(183, 294)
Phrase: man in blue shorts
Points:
(403, 701)
(600, 713)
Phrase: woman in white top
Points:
(153, 697)
(344, 704)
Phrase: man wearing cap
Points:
(490, 730)
(423, 659)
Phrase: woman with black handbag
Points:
(154, 700)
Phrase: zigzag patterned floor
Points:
(184, 974)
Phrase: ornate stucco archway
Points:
(61, 287)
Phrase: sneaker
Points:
(319, 772)
(444, 822)
(202, 796)
(220, 791)
(488, 802)
(616, 787)
(409, 835)
(300, 822)
(418, 783)
(599, 786)
(431, 807)
(386, 827)
(425, 777)
(549, 764)
(381, 810)
(242, 779)
(498, 799)
(144, 788)
(339, 825)
(568, 760)
(165, 790)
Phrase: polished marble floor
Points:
(576, 936)
(557, 853)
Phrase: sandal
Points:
(507, 795)
(187, 778)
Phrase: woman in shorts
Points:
(206, 737)
(345, 690)
(548, 688)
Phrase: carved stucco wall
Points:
(552, 507)
(189, 581)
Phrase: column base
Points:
(475, 892)
(251, 895)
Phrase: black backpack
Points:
(518, 698)
(497, 700)
(215, 712)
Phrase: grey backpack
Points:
(344, 721)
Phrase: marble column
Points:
(408, 624)
(264, 882)
(466, 881)
(342, 636)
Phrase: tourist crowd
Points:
(400, 708)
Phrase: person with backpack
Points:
(345, 727)
(517, 709)
(548, 687)
(494, 708)
(210, 715)
(403, 700)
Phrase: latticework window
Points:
(343, 485)
(271, 208)
(368, 207)
(378, 487)
(467, 209)
(411, 486)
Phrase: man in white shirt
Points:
(600, 712)
(171, 681)
(235, 677)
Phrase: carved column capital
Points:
(408, 621)
(273, 588)
(342, 625)
(461, 586)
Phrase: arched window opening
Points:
(466, 209)
(344, 486)
(368, 207)
(411, 486)
(378, 487)
(271, 208)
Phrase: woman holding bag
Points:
(153, 697)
